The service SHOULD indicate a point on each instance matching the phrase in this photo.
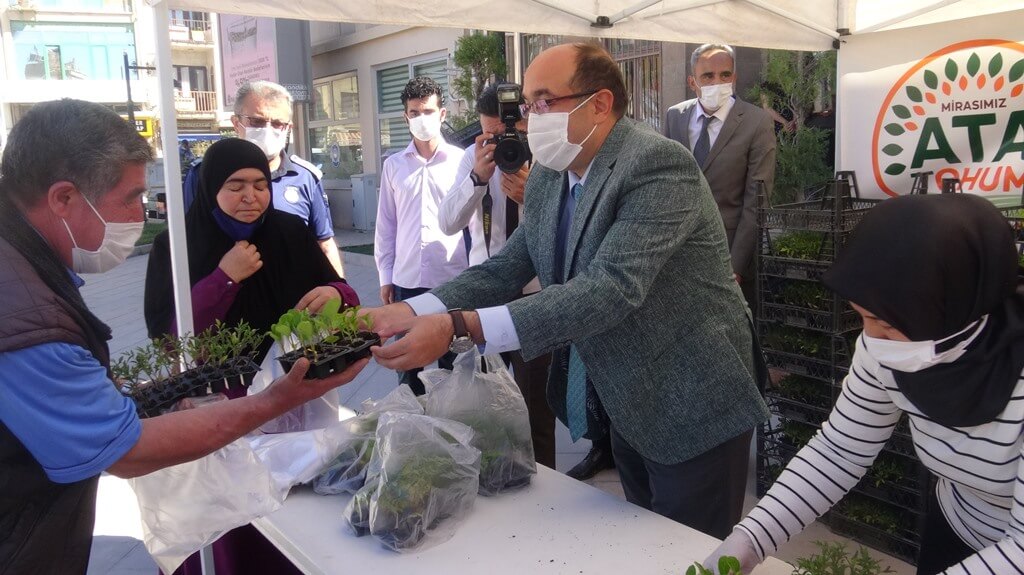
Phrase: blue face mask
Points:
(235, 229)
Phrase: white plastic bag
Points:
(481, 393)
(316, 414)
(347, 471)
(189, 506)
(422, 482)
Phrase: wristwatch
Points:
(461, 342)
(477, 182)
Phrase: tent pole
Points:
(907, 16)
(581, 15)
(633, 10)
(172, 169)
(794, 18)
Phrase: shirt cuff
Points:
(426, 304)
(499, 331)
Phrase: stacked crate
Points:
(808, 335)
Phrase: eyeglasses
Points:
(544, 106)
(261, 122)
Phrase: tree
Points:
(798, 81)
(479, 57)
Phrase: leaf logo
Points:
(933, 116)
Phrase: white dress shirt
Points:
(463, 207)
(410, 249)
(714, 126)
(496, 322)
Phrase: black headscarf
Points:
(930, 266)
(293, 263)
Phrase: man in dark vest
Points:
(66, 208)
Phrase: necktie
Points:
(576, 390)
(703, 145)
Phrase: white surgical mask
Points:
(549, 139)
(914, 356)
(425, 127)
(270, 140)
(118, 242)
(715, 96)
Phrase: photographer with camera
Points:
(486, 199)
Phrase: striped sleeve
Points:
(831, 463)
(1006, 556)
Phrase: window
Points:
(335, 134)
(71, 51)
(394, 132)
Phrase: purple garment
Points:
(212, 297)
(242, 551)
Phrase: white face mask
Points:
(549, 139)
(425, 127)
(914, 356)
(715, 96)
(269, 140)
(118, 242)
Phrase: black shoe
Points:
(599, 459)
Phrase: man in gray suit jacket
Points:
(735, 149)
(638, 300)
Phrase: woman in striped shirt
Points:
(935, 279)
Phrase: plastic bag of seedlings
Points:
(347, 472)
(481, 393)
(315, 414)
(422, 481)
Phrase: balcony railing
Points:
(196, 101)
(191, 31)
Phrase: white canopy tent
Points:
(778, 24)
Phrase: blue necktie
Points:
(703, 146)
(576, 390)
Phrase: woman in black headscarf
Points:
(936, 281)
(246, 260)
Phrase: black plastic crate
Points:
(825, 321)
(832, 349)
(792, 268)
(829, 214)
(796, 411)
(808, 367)
(902, 548)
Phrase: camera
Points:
(511, 149)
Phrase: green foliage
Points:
(799, 245)
(805, 390)
(803, 79)
(886, 469)
(871, 512)
(479, 57)
(799, 163)
(806, 295)
(407, 490)
(329, 326)
(798, 341)
(163, 357)
(726, 566)
(834, 559)
(798, 433)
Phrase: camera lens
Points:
(510, 154)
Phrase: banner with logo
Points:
(946, 99)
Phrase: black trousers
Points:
(705, 492)
(941, 547)
(532, 379)
(410, 377)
